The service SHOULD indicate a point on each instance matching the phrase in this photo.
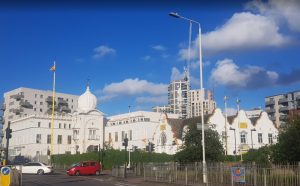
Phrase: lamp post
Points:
(251, 137)
(234, 142)
(176, 15)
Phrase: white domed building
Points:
(78, 132)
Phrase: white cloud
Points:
(231, 111)
(106, 97)
(227, 73)
(146, 58)
(242, 31)
(176, 74)
(102, 51)
(289, 10)
(156, 100)
(159, 48)
(135, 87)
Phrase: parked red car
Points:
(85, 168)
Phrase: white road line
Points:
(124, 184)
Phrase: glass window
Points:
(59, 125)
(41, 103)
(49, 124)
(65, 125)
(260, 139)
(270, 137)
(243, 138)
(48, 139)
(41, 96)
(69, 139)
(130, 135)
(59, 139)
(41, 110)
(116, 136)
(123, 135)
(69, 126)
(39, 124)
(38, 138)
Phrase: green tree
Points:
(260, 156)
(192, 148)
(288, 147)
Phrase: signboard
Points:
(243, 125)
(162, 127)
(238, 174)
(5, 176)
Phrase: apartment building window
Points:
(116, 136)
(39, 124)
(34, 109)
(49, 124)
(69, 126)
(41, 103)
(59, 139)
(65, 125)
(35, 95)
(41, 110)
(38, 138)
(11, 103)
(260, 139)
(35, 102)
(69, 139)
(48, 139)
(243, 138)
(59, 125)
(270, 137)
(92, 134)
(130, 135)
(41, 96)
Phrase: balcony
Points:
(3, 107)
(283, 101)
(26, 104)
(17, 111)
(65, 109)
(283, 117)
(17, 97)
(270, 102)
(49, 100)
(270, 110)
(62, 102)
(273, 118)
(283, 109)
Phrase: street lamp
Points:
(176, 15)
(251, 137)
(234, 142)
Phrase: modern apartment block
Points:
(23, 102)
(195, 97)
(162, 109)
(178, 97)
(280, 107)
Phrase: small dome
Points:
(87, 101)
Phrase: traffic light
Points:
(125, 142)
(8, 131)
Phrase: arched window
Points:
(163, 139)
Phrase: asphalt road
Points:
(61, 179)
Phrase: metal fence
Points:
(217, 174)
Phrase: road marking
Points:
(124, 184)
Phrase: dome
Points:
(87, 101)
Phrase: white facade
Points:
(140, 127)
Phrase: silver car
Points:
(35, 168)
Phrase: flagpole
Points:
(52, 117)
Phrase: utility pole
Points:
(8, 136)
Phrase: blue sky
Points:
(131, 51)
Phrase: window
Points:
(41, 96)
(123, 135)
(243, 138)
(48, 139)
(38, 138)
(35, 95)
(41, 110)
(260, 139)
(69, 126)
(270, 137)
(92, 134)
(34, 109)
(65, 125)
(39, 124)
(163, 139)
(49, 124)
(35, 102)
(41, 103)
(69, 139)
(130, 135)
(223, 136)
(59, 139)
(116, 136)
(59, 126)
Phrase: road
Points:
(61, 179)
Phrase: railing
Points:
(217, 174)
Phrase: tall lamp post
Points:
(234, 142)
(176, 15)
(251, 137)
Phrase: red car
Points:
(85, 168)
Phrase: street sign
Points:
(238, 174)
(5, 176)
